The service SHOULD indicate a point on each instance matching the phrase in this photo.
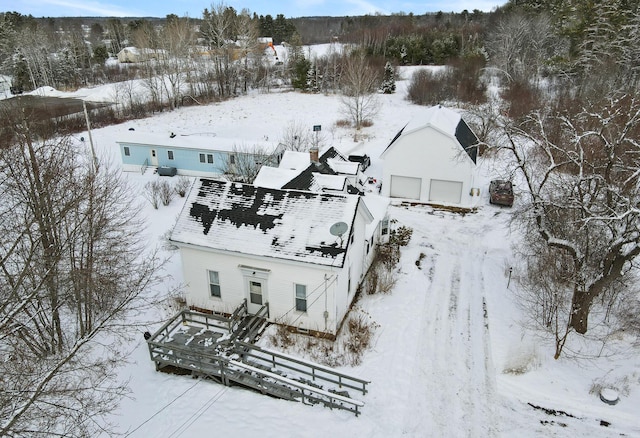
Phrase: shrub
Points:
(401, 236)
(182, 185)
(152, 193)
(165, 192)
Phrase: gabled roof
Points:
(283, 224)
(448, 122)
(331, 162)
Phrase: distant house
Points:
(432, 159)
(134, 54)
(303, 253)
(195, 155)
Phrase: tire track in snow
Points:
(481, 391)
(457, 396)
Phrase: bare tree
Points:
(296, 137)
(73, 269)
(244, 163)
(360, 82)
(218, 30)
(177, 39)
(250, 50)
(521, 44)
(581, 170)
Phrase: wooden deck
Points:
(221, 348)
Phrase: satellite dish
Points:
(338, 229)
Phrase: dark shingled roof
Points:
(304, 180)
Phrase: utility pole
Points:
(93, 152)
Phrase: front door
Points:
(256, 297)
(154, 158)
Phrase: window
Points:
(214, 284)
(202, 158)
(385, 226)
(210, 158)
(232, 159)
(170, 155)
(127, 152)
(301, 297)
(255, 292)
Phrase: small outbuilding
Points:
(432, 159)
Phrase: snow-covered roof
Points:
(274, 177)
(329, 182)
(437, 116)
(343, 167)
(445, 120)
(377, 206)
(295, 160)
(195, 141)
(284, 224)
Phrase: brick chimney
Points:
(313, 154)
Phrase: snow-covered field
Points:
(448, 331)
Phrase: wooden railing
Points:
(144, 166)
(278, 361)
(265, 370)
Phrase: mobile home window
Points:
(202, 159)
(214, 284)
(232, 159)
(127, 152)
(170, 155)
(210, 158)
(301, 297)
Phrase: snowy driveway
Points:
(440, 379)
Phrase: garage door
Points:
(445, 191)
(405, 187)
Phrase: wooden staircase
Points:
(222, 349)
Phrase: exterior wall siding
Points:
(184, 159)
(280, 287)
(428, 154)
(328, 288)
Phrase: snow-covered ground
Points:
(448, 331)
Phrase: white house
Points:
(134, 54)
(303, 253)
(432, 159)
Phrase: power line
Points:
(198, 413)
(163, 408)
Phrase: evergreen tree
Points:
(312, 79)
(300, 74)
(389, 80)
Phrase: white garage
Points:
(405, 187)
(432, 159)
(445, 191)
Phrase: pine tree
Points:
(389, 81)
(312, 79)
